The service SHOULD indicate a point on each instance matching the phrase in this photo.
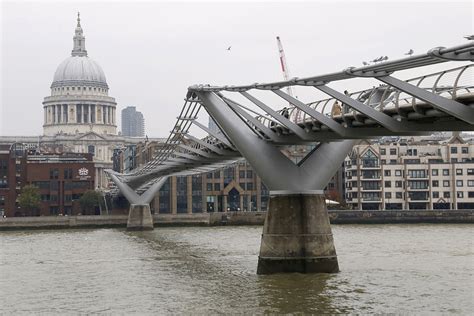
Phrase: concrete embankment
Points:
(235, 218)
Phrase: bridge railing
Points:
(448, 83)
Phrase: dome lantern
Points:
(79, 48)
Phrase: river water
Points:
(202, 270)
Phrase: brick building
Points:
(61, 179)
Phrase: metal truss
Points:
(433, 102)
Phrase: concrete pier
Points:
(297, 236)
(139, 217)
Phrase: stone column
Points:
(58, 113)
(224, 203)
(189, 195)
(139, 218)
(78, 117)
(259, 194)
(241, 202)
(297, 236)
(174, 201)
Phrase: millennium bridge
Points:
(297, 235)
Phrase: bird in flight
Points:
(469, 37)
(410, 52)
(228, 48)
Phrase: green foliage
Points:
(90, 200)
(29, 198)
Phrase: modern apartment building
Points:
(415, 173)
(133, 123)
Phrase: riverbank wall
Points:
(237, 218)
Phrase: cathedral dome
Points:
(79, 70)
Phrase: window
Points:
(209, 175)
(465, 150)
(249, 174)
(454, 150)
(68, 173)
(382, 151)
(435, 183)
(470, 183)
(460, 194)
(412, 152)
(241, 174)
(217, 186)
(459, 183)
(54, 173)
(383, 161)
(417, 173)
(370, 185)
(445, 172)
(393, 161)
(209, 187)
(470, 194)
(386, 173)
(388, 184)
(434, 172)
(388, 195)
(370, 174)
(398, 173)
(470, 172)
(454, 159)
(398, 195)
(91, 149)
(398, 184)
(435, 195)
(217, 174)
(445, 183)
(418, 185)
(446, 195)
(393, 151)
(369, 159)
(249, 186)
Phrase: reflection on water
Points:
(385, 268)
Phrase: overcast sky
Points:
(151, 52)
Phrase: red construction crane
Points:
(286, 75)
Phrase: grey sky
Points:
(151, 52)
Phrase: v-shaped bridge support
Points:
(139, 216)
(297, 235)
(278, 172)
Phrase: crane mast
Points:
(286, 76)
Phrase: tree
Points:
(29, 198)
(89, 201)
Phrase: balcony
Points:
(376, 189)
(418, 189)
(372, 199)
